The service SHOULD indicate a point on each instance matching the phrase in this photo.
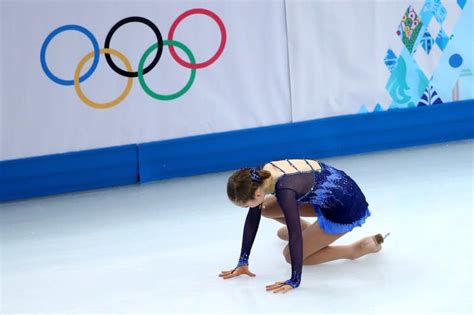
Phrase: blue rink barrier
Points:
(334, 136)
(72, 171)
(225, 151)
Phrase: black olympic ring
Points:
(159, 50)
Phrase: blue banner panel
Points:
(73, 171)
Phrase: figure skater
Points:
(286, 189)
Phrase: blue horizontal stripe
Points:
(223, 151)
(72, 171)
(334, 136)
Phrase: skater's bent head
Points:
(243, 184)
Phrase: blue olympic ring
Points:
(48, 39)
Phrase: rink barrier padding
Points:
(319, 138)
(225, 151)
(68, 172)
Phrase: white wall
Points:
(284, 61)
(248, 86)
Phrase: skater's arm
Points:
(250, 230)
(287, 199)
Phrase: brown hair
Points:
(241, 187)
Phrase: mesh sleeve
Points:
(287, 200)
(250, 231)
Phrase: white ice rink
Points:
(159, 247)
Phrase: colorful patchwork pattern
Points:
(442, 39)
(439, 13)
(430, 97)
(449, 69)
(390, 60)
(427, 42)
(433, 8)
(406, 82)
(409, 28)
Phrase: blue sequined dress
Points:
(337, 200)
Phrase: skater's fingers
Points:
(275, 285)
(283, 289)
(230, 276)
(226, 272)
(250, 274)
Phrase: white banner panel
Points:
(44, 112)
(349, 57)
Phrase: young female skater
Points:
(283, 190)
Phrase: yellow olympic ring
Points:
(110, 104)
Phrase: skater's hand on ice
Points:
(242, 270)
(279, 286)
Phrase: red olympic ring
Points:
(180, 18)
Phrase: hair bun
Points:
(254, 176)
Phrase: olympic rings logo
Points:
(142, 70)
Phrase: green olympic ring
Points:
(141, 79)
